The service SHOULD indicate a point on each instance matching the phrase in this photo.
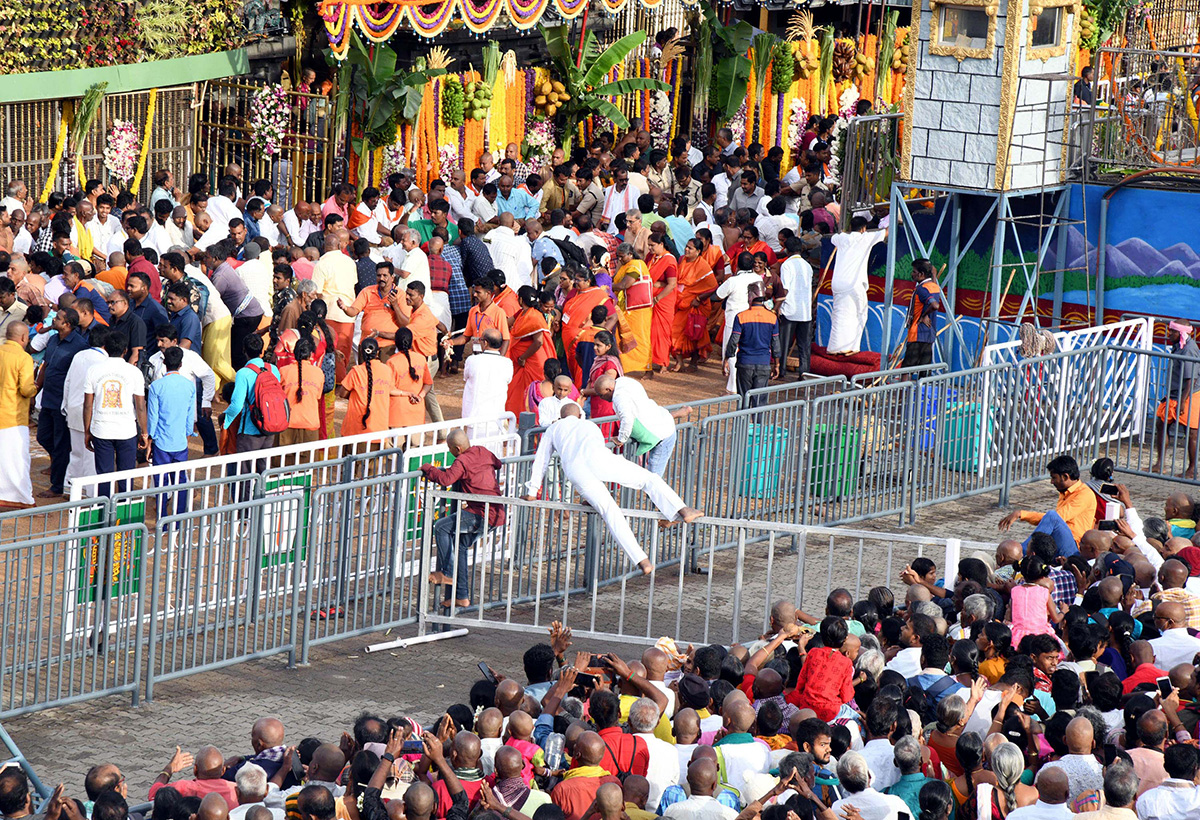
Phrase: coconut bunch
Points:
(551, 96)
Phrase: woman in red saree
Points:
(530, 347)
(664, 275)
(606, 362)
(577, 314)
(696, 283)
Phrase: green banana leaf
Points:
(612, 55)
(629, 85)
(729, 81)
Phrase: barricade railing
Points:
(729, 602)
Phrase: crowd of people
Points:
(1055, 678)
(619, 259)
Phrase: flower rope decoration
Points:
(659, 121)
(269, 112)
(448, 159)
(151, 104)
(122, 150)
(799, 118)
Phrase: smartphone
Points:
(1110, 526)
(412, 747)
(598, 661)
(297, 768)
(1109, 489)
(486, 671)
(1110, 754)
(1164, 686)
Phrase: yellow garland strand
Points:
(676, 96)
(141, 168)
(59, 147)
(79, 173)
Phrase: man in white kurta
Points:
(590, 465)
(485, 385)
(849, 286)
(736, 292)
(82, 463)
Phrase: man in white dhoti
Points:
(17, 387)
(849, 286)
(485, 386)
(618, 198)
(736, 292)
(83, 461)
(589, 465)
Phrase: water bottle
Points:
(554, 751)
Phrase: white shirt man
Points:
(880, 758)
(484, 211)
(1041, 810)
(336, 275)
(862, 791)
(460, 203)
(735, 291)
(1175, 799)
(618, 202)
(257, 275)
(82, 463)
(744, 758)
(634, 407)
(549, 410)
(296, 230)
(194, 367)
(486, 377)
(103, 232)
(157, 238)
(23, 241)
(849, 286)
(221, 209)
(908, 663)
(511, 254)
(116, 242)
(796, 276)
(415, 268)
(1175, 646)
(699, 807)
(663, 768)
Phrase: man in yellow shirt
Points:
(17, 387)
(1074, 514)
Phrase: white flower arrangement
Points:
(268, 121)
(660, 118)
(448, 159)
(796, 122)
(122, 150)
(539, 139)
(847, 101)
(738, 125)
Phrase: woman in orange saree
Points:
(577, 314)
(530, 347)
(632, 284)
(696, 283)
(664, 275)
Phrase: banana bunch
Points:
(478, 100)
(783, 68)
(806, 66)
(863, 65)
(452, 101)
(902, 56)
(551, 95)
(844, 59)
(1089, 32)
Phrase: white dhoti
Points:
(439, 306)
(731, 381)
(16, 483)
(847, 320)
(83, 460)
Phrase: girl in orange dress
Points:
(695, 284)
(529, 349)
(369, 387)
(410, 382)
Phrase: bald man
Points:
(475, 471)
(336, 276)
(744, 754)
(1084, 772)
(1053, 785)
(703, 781)
(266, 738)
(466, 754)
(1175, 644)
(17, 387)
(574, 795)
(1173, 578)
(1008, 555)
(486, 377)
(325, 769)
(213, 807)
(1148, 755)
(651, 426)
(207, 767)
(589, 465)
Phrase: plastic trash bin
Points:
(962, 423)
(836, 454)
(765, 448)
(932, 398)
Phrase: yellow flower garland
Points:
(141, 168)
(59, 147)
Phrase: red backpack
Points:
(269, 411)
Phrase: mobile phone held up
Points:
(1164, 686)
(487, 673)
(412, 747)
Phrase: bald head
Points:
(520, 725)
(917, 593)
(489, 723)
(739, 716)
(1111, 590)
(213, 807)
(493, 338)
(17, 332)
(1052, 784)
(507, 220)
(266, 733)
(782, 614)
(1173, 574)
(702, 776)
(656, 663)
(1080, 737)
(419, 801)
(1175, 543)
(1141, 651)
(1094, 542)
(609, 801)
(509, 762)
(327, 762)
(467, 750)
(457, 440)
(1170, 615)
(589, 748)
(686, 726)
(1009, 552)
(570, 409)
(508, 696)
(209, 765)
(1178, 505)
(767, 684)
(604, 386)
(636, 790)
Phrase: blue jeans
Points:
(113, 455)
(1064, 539)
(161, 456)
(469, 527)
(658, 455)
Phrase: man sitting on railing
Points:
(473, 471)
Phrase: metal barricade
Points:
(801, 390)
(727, 603)
(71, 617)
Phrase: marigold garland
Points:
(59, 147)
(141, 168)
(675, 97)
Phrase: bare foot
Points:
(690, 514)
(1190, 472)
(1156, 467)
(439, 578)
(677, 365)
(645, 566)
(460, 603)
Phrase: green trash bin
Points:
(765, 448)
(961, 425)
(836, 455)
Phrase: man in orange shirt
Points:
(116, 272)
(425, 327)
(379, 306)
(1074, 514)
(485, 314)
(575, 794)
(504, 296)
